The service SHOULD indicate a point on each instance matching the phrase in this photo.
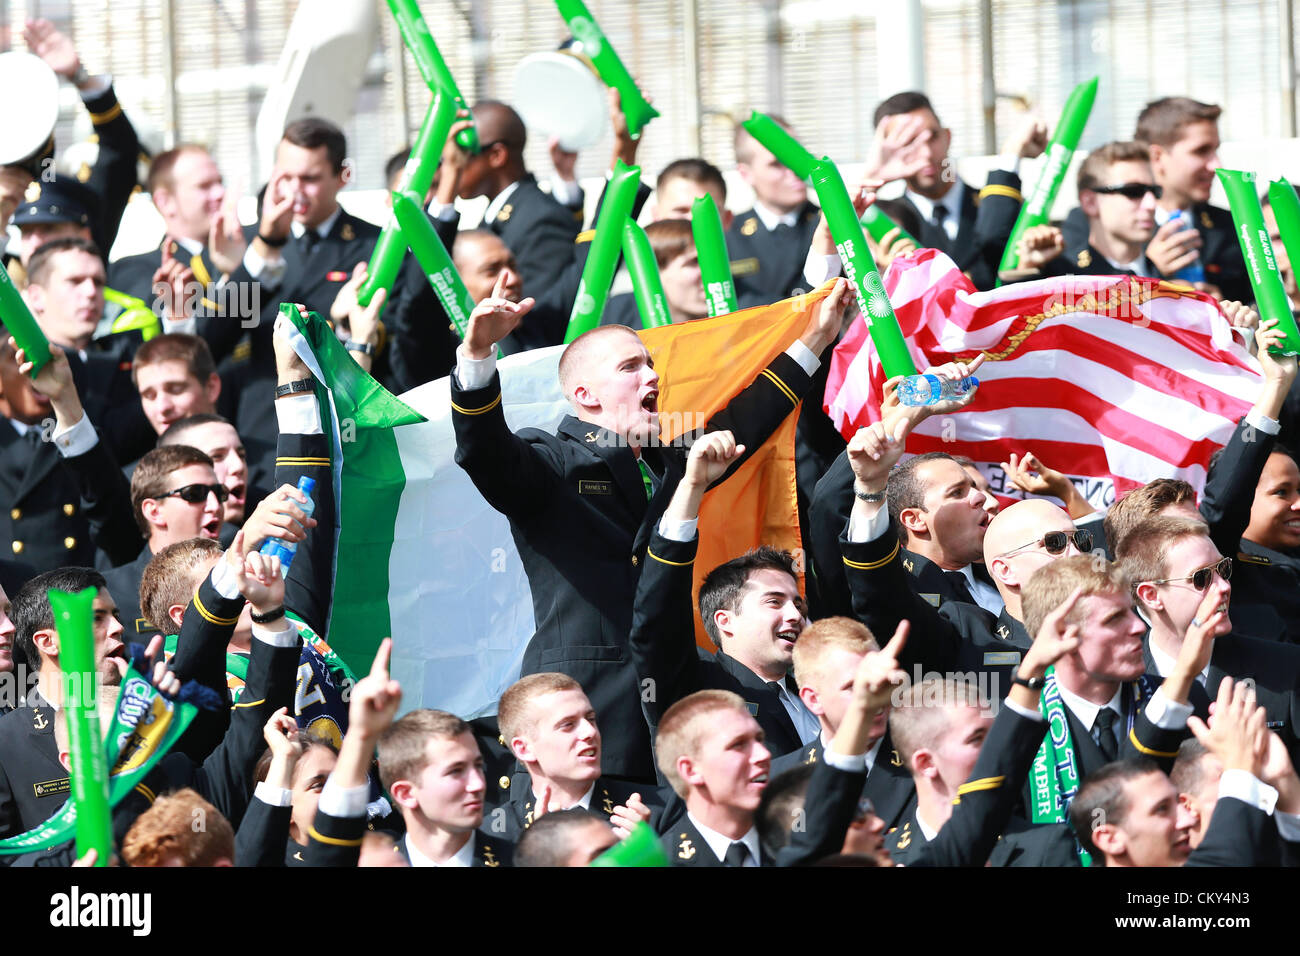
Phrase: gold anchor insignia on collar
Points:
(749, 227)
(1084, 259)
(38, 721)
(590, 438)
(528, 817)
(894, 759)
(33, 192)
(1003, 632)
(687, 848)
(298, 856)
(504, 214)
(606, 804)
(812, 755)
(905, 840)
(1206, 221)
(348, 233)
(907, 563)
(488, 858)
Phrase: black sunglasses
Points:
(1055, 542)
(1134, 191)
(1200, 578)
(198, 494)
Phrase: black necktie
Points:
(939, 217)
(34, 437)
(737, 854)
(958, 582)
(1104, 728)
(310, 239)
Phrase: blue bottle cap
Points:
(307, 485)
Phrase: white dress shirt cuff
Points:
(474, 373)
(1025, 712)
(95, 86)
(684, 530)
(870, 530)
(223, 579)
(567, 192)
(849, 763)
(279, 633)
(298, 414)
(273, 795)
(1262, 423)
(269, 273)
(802, 354)
(1165, 713)
(444, 213)
(1247, 788)
(1010, 164)
(76, 439)
(186, 326)
(343, 801)
(819, 269)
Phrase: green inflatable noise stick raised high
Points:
(593, 44)
(860, 268)
(641, 848)
(711, 248)
(651, 301)
(73, 615)
(418, 39)
(432, 256)
(598, 273)
(1265, 280)
(1065, 140)
(417, 176)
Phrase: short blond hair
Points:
(830, 633)
(515, 715)
(578, 352)
(683, 724)
(923, 713)
(1050, 585)
(404, 747)
(1145, 554)
(183, 826)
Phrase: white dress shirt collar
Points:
(494, 207)
(1165, 664)
(462, 857)
(323, 230)
(719, 844)
(771, 219)
(1086, 710)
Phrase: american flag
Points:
(1112, 380)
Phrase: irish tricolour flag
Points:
(422, 557)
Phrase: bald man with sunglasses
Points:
(1182, 582)
(958, 636)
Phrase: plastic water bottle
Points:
(1196, 271)
(931, 389)
(285, 550)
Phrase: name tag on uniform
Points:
(49, 788)
(590, 487)
(999, 658)
(744, 267)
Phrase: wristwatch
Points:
(294, 388)
(273, 243)
(1033, 683)
(365, 348)
(871, 497)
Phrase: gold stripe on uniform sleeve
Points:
(675, 564)
(145, 792)
(332, 841)
(209, 616)
(302, 461)
(112, 113)
(585, 236)
(1132, 736)
(478, 411)
(997, 189)
(872, 565)
(974, 786)
(771, 376)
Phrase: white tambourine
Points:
(559, 94)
